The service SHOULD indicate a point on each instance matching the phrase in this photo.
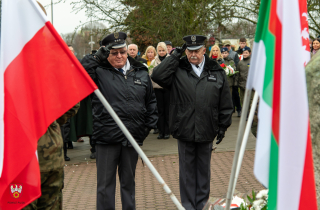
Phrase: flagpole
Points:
(246, 136)
(242, 124)
(138, 149)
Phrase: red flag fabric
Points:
(40, 80)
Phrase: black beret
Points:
(194, 42)
(224, 49)
(246, 48)
(168, 43)
(117, 39)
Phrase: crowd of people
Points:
(190, 97)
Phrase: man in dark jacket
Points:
(200, 109)
(126, 85)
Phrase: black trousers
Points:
(194, 173)
(163, 103)
(236, 98)
(109, 157)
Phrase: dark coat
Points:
(141, 60)
(131, 97)
(199, 106)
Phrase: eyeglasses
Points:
(116, 53)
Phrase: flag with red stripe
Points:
(283, 161)
(40, 80)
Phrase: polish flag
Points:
(40, 80)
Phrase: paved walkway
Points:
(80, 173)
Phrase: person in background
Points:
(150, 54)
(243, 68)
(215, 54)
(169, 46)
(242, 44)
(231, 79)
(133, 53)
(200, 111)
(232, 54)
(162, 95)
(315, 46)
(210, 43)
(235, 89)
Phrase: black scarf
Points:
(162, 57)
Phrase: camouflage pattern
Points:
(50, 145)
(51, 191)
(241, 91)
(254, 126)
(313, 87)
(51, 161)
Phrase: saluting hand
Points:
(179, 51)
(103, 53)
(220, 136)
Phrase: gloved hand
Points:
(220, 136)
(179, 51)
(103, 53)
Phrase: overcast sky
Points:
(64, 20)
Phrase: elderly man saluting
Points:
(200, 110)
(126, 85)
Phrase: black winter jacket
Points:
(131, 96)
(141, 60)
(199, 107)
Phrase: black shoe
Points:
(66, 158)
(166, 136)
(156, 131)
(70, 145)
(160, 136)
(93, 155)
(239, 113)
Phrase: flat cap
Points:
(117, 39)
(194, 42)
(168, 43)
(225, 43)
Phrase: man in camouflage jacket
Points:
(51, 161)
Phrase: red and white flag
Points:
(40, 79)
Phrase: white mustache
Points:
(193, 57)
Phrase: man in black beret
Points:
(200, 110)
(126, 85)
(169, 46)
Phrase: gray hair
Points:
(133, 45)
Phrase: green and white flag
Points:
(283, 161)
